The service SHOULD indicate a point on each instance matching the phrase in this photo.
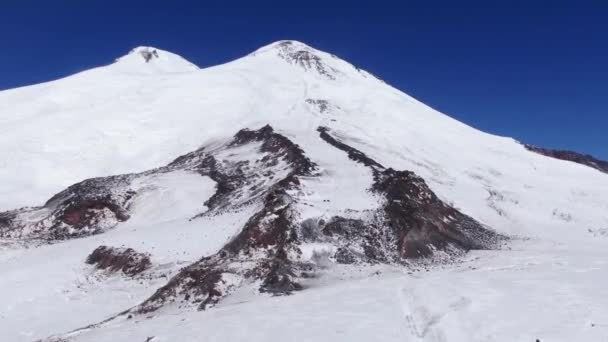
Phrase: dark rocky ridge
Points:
(85, 208)
(98, 204)
(261, 251)
(262, 168)
(575, 157)
(238, 181)
(417, 223)
(413, 223)
(422, 223)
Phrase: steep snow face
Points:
(77, 111)
(572, 156)
(148, 108)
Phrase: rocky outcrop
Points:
(414, 221)
(299, 54)
(262, 169)
(96, 205)
(575, 157)
(266, 248)
(85, 208)
(322, 106)
(422, 224)
(149, 54)
(125, 260)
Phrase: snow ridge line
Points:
(266, 248)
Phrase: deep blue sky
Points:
(533, 70)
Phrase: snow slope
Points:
(519, 296)
(135, 115)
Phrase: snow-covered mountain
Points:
(284, 195)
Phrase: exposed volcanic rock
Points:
(302, 55)
(418, 223)
(6, 219)
(230, 176)
(353, 153)
(262, 169)
(576, 157)
(279, 145)
(240, 181)
(412, 223)
(422, 223)
(148, 54)
(85, 208)
(321, 105)
(98, 204)
(358, 241)
(125, 260)
(264, 249)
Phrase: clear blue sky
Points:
(534, 70)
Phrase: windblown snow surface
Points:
(548, 282)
